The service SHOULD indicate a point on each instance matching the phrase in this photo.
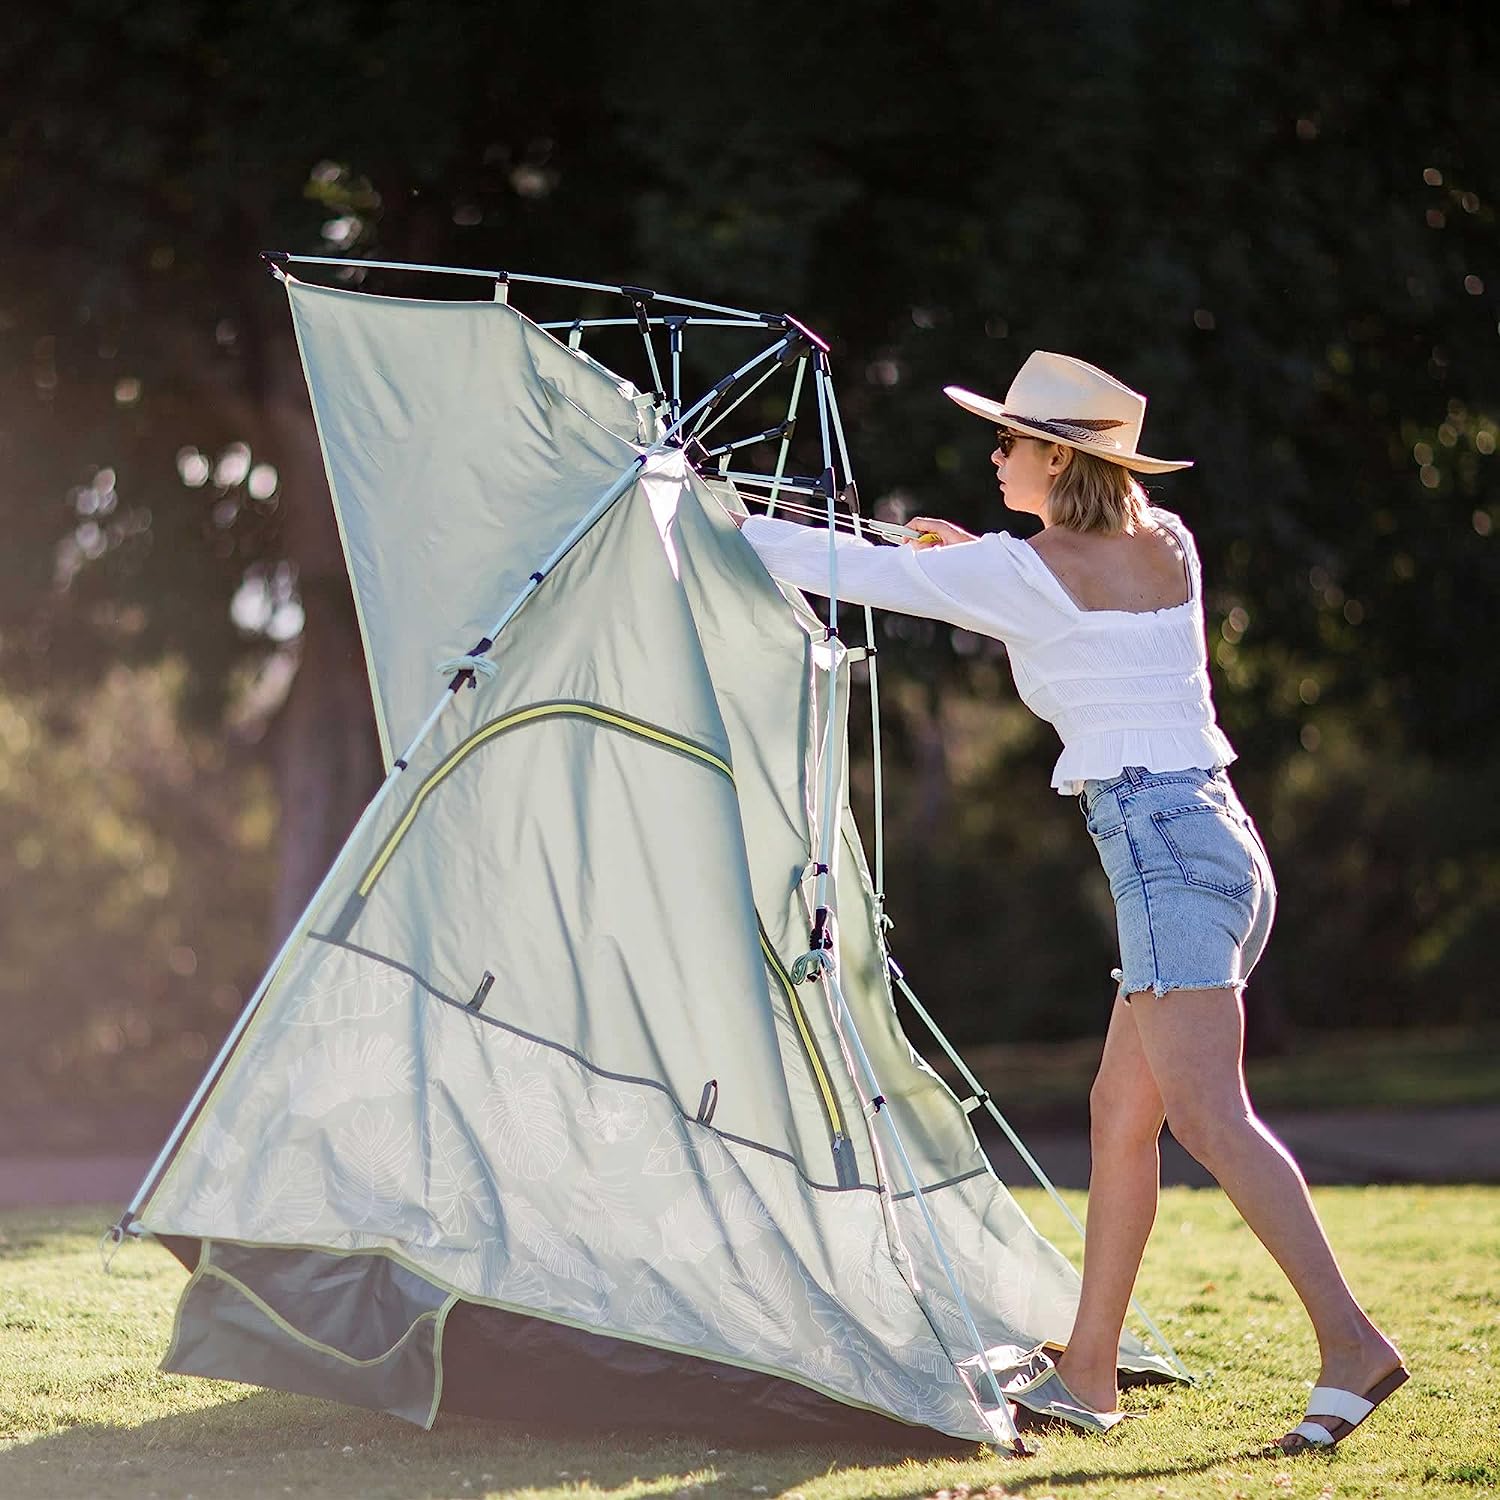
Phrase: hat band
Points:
(1085, 430)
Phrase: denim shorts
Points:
(1191, 880)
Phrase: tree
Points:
(1278, 220)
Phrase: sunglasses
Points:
(1007, 440)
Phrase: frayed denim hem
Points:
(1159, 988)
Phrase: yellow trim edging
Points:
(499, 726)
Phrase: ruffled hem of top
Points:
(1098, 757)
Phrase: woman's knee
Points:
(1208, 1131)
(1122, 1119)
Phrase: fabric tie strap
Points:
(811, 965)
(480, 664)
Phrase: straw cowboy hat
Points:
(1057, 397)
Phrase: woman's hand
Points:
(932, 532)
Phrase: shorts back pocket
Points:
(1209, 848)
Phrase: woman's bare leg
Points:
(1193, 1041)
(1125, 1111)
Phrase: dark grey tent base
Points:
(502, 1364)
(552, 1377)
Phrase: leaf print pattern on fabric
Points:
(864, 1267)
(602, 1214)
(522, 1285)
(345, 1068)
(218, 1147)
(211, 1212)
(670, 1154)
(345, 987)
(917, 1400)
(743, 1215)
(928, 1358)
(755, 1304)
(458, 1185)
(826, 1366)
(660, 1310)
(550, 1248)
(689, 1230)
(676, 1152)
(611, 1115)
(521, 1048)
(371, 1161)
(524, 1125)
(286, 1194)
(826, 1312)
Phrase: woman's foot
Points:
(1362, 1363)
(1093, 1385)
(1333, 1413)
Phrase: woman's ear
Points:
(1059, 459)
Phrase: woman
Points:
(1102, 615)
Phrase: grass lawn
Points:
(83, 1411)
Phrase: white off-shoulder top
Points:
(1122, 688)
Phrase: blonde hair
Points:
(1092, 494)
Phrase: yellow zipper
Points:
(809, 1044)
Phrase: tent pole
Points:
(640, 297)
(293, 938)
(701, 432)
(675, 325)
(786, 434)
(668, 321)
(981, 1096)
(876, 762)
(489, 274)
(820, 939)
(621, 483)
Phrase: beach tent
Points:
(579, 1083)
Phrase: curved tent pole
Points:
(667, 320)
(283, 258)
(617, 488)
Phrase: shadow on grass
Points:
(262, 1444)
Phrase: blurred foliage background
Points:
(1278, 220)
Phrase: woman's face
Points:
(1027, 471)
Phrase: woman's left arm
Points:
(975, 585)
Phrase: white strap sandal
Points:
(1333, 1414)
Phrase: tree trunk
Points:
(325, 755)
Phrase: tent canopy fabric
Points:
(537, 1048)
